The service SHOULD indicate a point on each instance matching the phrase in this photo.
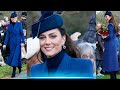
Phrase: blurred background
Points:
(73, 20)
(100, 16)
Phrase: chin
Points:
(49, 55)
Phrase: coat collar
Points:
(63, 68)
(15, 26)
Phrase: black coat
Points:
(24, 24)
(99, 47)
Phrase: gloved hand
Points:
(4, 47)
(22, 44)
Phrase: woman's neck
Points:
(53, 55)
(53, 62)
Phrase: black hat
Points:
(24, 14)
(49, 21)
(108, 13)
(14, 14)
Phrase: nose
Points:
(48, 41)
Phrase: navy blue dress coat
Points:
(15, 36)
(110, 60)
(69, 67)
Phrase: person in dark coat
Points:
(23, 20)
(58, 52)
(15, 36)
(99, 49)
(24, 24)
(110, 60)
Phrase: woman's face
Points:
(107, 18)
(87, 56)
(14, 19)
(51, 42)
(6, 18)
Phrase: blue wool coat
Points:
(69, 67)
(15, 36)
(110, 60)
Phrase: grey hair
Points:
(86, 48)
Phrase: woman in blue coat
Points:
(110, 61)
(15, 36)
(58, 52)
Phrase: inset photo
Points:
(61, 45)
(108, 45)
(13, 36)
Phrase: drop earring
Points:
(64, 47)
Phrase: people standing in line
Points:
(15, 36)
(110, 60)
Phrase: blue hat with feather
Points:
(49, 21)
(13, 15)
(109, 13)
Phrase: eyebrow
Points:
(49, 34)
(52, 33)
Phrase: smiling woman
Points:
(110, 59)
(50, 42)
(59, 54)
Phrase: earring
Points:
(64, 47)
